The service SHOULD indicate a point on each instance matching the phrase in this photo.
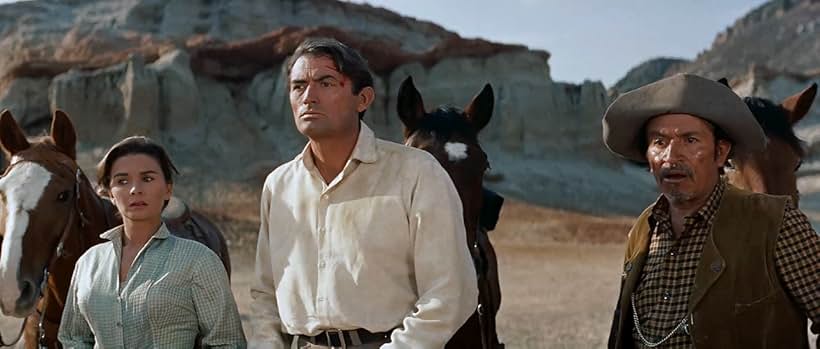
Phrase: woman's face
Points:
(138, 187)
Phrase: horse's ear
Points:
(799, 104)
(11, 135)
(480, 109)
(63, 134)
(410, 106)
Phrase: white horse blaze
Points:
(456, 151)
(22, 187)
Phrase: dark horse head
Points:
(773, 171)
(450, 134)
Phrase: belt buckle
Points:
(339, 333)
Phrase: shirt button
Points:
(321, 264)
(119, 324)
(667, 295)
(716, 266)
(322, 230)
(321, 299)
(325, 197)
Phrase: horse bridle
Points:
(55, 255)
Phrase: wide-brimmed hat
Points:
(626, 117)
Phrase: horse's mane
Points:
(775, 122)
(444, 121)
(42, 140)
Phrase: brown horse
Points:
(451, 136)
(773, 171)
(50, 215)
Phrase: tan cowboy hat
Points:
(626, 117)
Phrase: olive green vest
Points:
(737, 300)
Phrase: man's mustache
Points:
(676, 170)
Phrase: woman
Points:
(145, 288)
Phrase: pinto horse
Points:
(451, 136)
(773, 171)
(50, 215)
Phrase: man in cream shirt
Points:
(362, 241)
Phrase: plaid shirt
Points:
(175, 290)
(662, 294)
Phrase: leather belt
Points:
(343, 338)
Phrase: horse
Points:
(50, 214)
(773, 171)
(451, 136)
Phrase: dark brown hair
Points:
(347, 60)
(130, 146)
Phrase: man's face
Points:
(322, 99)
(683, 156)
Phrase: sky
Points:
(588, 39)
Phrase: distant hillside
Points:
(647, 72)
(780, 34)
(771, 52)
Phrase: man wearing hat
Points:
(707, 265)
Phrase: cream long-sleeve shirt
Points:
(380, 247)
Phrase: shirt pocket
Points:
(376, 226)
(87, 300)
(169, 302)
(743, 307)
(96, 300)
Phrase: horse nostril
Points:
(27, 293)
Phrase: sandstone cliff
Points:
(205, 78)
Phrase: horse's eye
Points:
(799, 163)
(62, 197)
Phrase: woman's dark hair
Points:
(349, 62)
(130, 146)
